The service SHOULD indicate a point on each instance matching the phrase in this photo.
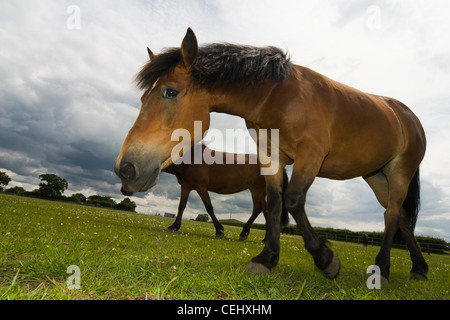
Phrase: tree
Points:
(202, 217)
(4, 179)
(126, 204)
(52, 186)
(101, 201)
(16, 190)
(77, 197)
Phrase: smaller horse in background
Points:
(222, 178)
(365, 239)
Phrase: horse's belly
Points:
(359, 157)
(227, 188)
(340, 169)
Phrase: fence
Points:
(427, 244)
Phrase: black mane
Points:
(221, 66)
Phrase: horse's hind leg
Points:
(390, 186)
(203, 193)
(380, 186)
(181, 206)
(258, 198)
(246, 228)
(419, 266)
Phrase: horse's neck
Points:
(173, 169)
(241, 102)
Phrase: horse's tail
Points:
(412, 203)
(284, 212)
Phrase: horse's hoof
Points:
(243, 238)
(171, 229)
(256, 268)
(384, 281)
(417, 276)
(332, 270)
(220, 235)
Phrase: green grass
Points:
(123, 255)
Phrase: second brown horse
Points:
(222, 178)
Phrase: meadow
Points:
(125, 255)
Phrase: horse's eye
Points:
(170, 93)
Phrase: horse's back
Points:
(357, 132)
(234, 177)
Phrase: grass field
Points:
(123, 255)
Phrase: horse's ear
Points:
(150, 54)
(189, 48)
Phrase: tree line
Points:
(52, 187)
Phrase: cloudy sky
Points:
(67, 98)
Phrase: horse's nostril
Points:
(126, 193)
(127, 171)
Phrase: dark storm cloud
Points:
(67, 98)
(60, 113)
(49, 128)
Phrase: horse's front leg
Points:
(181, 206)
(307, 164)
(269, 256)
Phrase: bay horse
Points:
(326, 129)
(222, 178)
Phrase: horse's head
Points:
(171, 101)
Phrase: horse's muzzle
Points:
(136, 176)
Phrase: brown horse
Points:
(222, 178)
(325, 128)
